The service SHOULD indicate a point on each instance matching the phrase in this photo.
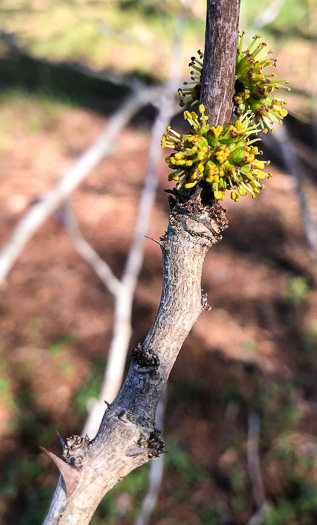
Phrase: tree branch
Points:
(43, 208)
(127, 436)
(254, 460)
(100, 267)
(220, 59)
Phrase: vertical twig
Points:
(283, 141)
(100, 267)
(220, 59)
(156, 471)
(254, 470)
(254, 460)
(268, 15)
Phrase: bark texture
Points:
(218, 76)
(127, 436)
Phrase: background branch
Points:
(284, 144)
(45, 206)
(254, 470)
(155, 473)
(100, 267)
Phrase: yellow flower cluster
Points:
(254, 89)
(192, 93)
(222, 156)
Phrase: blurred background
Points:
(240, 420)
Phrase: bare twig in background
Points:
(283, 141)
(304, 152)
(254, 470)
(44, 207)
(123, 303)
(156, 471)
(101, 268)
(253, 459)
(268, 15)
(260, 515)
(312, 83)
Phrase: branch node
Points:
(204, 302)
(156, 444)
(125, 416)
(145, 358)
(75, 449)
(156, 241)
(153, 445)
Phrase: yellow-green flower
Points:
(192, 93)
(222, 156)
(253, 88)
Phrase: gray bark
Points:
(127, 437)
(218, 76)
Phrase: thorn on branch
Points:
(156, 241)
(61, 439)
(71, 475)
(137, 451)
(109, 406)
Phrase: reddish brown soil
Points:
(251, 340)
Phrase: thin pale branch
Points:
(268, 15)
(100, 267)
(260, 515)
(44, 207)
(156, 471)
(283, 141)
(254, 460)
